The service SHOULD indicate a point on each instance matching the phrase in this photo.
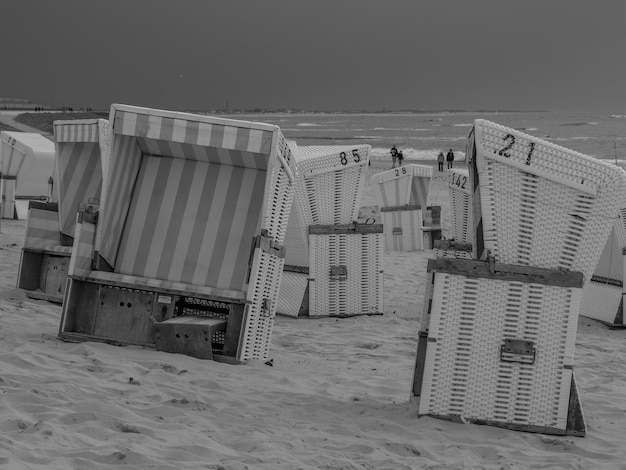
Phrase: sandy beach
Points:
(337, 397)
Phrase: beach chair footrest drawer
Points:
(189, 335)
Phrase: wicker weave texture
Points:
(469, 322)
(292, 290)
(403, 230)
(328, 191)
(459, 189)
(408, 184)
(362, 290)
(601, 301)
(267, 268)
(543, 205)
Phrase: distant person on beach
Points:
(400, 158)
(394, 156)
(450, 158)
(440, 160)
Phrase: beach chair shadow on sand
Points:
(497, 336)
(81, 147)
(186, 252)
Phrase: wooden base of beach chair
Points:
(190, 335)
(118, 314)
(44, 274)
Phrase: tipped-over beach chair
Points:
(327, 192)
(498, 334)
(603, 294)
(186, 253)
(26, 172)
(498, 347)
(81, 148)
(402, 196)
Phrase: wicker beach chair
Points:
(26, 172)
(499, 346)
(186, 253)
(497, 336)
(81, 150)
(603, 294)
(541, 204)
(327, 194)
(459, 189)
(402, 196)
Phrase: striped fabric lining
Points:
(201, 234)
(118, 182)
(13, 157)
(82, 250)
(42, 229)
(79, 178)
(203, 133)
(81, 130)
(187, 151)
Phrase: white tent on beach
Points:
(26, 165)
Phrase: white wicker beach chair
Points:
(602, 296)
(328, 191)
(543, 205)
(192, 222)
(402, 197)
(81, 152)
(460, 191)
(499, 346)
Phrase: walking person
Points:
(450, 158)
(440, 160)
(400, 158)
(394, 156)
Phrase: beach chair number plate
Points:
(518, 350)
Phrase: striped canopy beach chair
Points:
(402, 196)
(187, 252)
(498, 332)
(328, 192)
(26, 172)
(81, 150)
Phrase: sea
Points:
(421, 136)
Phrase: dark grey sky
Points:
(316, 54)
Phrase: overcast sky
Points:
(316, 54)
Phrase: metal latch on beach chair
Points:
(269, 245)
(518, 350)
(338, 273)
(397, 231)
